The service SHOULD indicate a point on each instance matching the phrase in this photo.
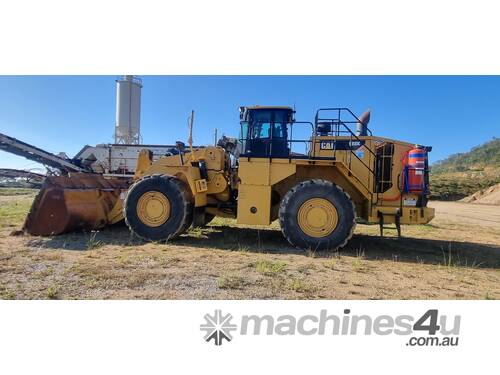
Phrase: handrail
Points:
(337, 123)
(357, 138)
(339, 111)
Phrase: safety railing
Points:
(335, 122)
(340, 118)
(341, 130)
(272, 139)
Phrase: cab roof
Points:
(269, 107)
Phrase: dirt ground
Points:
(456, 256)
(459, 212)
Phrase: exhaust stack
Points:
(362, 126)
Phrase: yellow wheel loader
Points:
(317, 196)
(342, 175)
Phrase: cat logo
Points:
(340, 144)
(326, 145)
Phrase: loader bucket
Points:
(82, 201)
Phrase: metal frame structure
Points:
(17, 147)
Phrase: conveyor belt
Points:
(17, 147)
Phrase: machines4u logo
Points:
(218, 327)
(429, 329)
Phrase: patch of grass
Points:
(196, 232)
(306, 268)
(448, 257)
(52, 292)
(463, 280)
(90, 283)
(270, 268)
(53, 255)
(44, 273)
(242, 248)
(301, 285)
(222, 221)
(331, 263)
(358, 263)
(13, 213)
(488, 296)
(231, 281)
(452, 262)
(93, 242)
(137, 279)
(6, 191)
(124, 259)
(311, 253)
(6, 293)
(426, 227)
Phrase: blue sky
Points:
(63, 113)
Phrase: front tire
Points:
(158, 208)
(317, 215)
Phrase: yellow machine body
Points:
(353, 176)
(261, 182)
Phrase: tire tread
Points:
(187, 206)
(303, 186)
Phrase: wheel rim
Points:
(317, 217)
(153, 208)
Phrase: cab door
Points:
(266, 134)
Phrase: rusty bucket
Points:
(81, 201)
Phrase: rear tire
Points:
(158, 208)
(317, 215)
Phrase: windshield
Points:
(262, 121)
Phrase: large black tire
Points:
(305, 191)
(181, 208)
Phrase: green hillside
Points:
(463, 174)
(478, 158)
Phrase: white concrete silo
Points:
(128, 110)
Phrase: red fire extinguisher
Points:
(415, 170)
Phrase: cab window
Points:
(261, 130)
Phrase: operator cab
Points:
(264, 131)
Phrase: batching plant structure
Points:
(128, 110)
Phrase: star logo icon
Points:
(218, 327)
